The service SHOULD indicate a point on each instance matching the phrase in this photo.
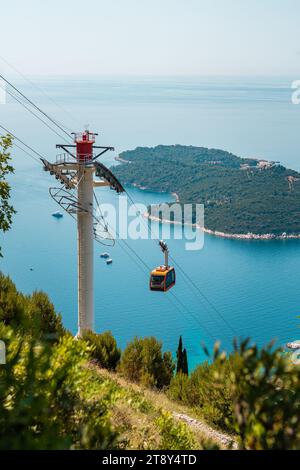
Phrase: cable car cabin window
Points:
(157, 280)
(170, 278)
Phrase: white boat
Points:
(104, 255)
(58, 215)
(109, 261)
(294, 345)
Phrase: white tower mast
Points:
(85, 240)
(84, 154)
(77, 171)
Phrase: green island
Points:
(243, 197)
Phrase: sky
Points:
(151, 37)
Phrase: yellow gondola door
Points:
(170, 279)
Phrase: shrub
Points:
(143, 361)
(179, 388)
(174, 435)
(104, 349)
(33, 314)
(211, 394)
(42, 402)
(12, 303)
(45, 320)
(205, 392)
(253, 392)
(266, 399)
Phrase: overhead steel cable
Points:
(34, 114)
(185, 309)
(190, 280)
(186, 312)
(35, 106)
(40, 156)
(23, 150)
(146, 269)
(23, 143)
(219, 314)
(34, 85)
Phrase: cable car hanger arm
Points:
(64, 147)
(104, 149)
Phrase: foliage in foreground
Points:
(175, 435)
(144, 362)
(254, 393)
(50, 400)
(34, 314)
(6, 209)
(41, 401)
(202, 391)
(104, 349)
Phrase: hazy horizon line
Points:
(132, 75)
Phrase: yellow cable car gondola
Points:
(163, 277)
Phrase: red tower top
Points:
(84, 146)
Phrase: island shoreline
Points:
(231, 236)
(216, 233)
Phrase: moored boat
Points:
(57, 215)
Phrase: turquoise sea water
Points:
(253, 285)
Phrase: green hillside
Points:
(61, 392)
(240, 195)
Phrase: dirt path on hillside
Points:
(216, 436)
(178, 412)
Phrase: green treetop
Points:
(6, 210)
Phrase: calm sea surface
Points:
(254, 287)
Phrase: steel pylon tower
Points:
(76, 173)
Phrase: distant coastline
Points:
(244, 198)
(121, 160)
(216, 233)
(234, 236)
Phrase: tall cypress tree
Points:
(182, 360)
(179, 355)
(185, 367)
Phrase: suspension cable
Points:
(189, 278)
(34, 85)
(204, 296)
(23, 143)
(35, 106)
(128, 246)
(23, 150)
(185, 309)
(34, 114)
